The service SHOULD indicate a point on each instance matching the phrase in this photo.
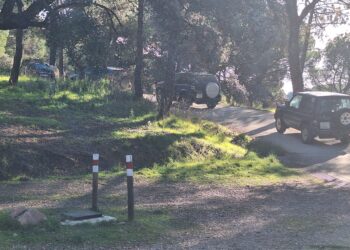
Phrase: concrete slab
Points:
(88, 221)
(78, 215)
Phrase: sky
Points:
(330, 33)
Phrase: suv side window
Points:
(295, 102)
(307, 104)
(184, 79)
(332, 104)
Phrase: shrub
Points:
(242, 140)
(234, 92)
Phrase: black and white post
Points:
(95, 170)
(130, 184)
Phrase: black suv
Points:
(200, 88)
(322, 114)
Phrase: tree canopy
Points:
(252, 46)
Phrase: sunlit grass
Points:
(204, 133)
(208, 154)
(71, 96)
(249, 170)
(149, 117)
(4, 79)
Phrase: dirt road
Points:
(327, 159)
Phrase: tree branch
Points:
(28, 18)
(23, 19)
(110, 12)
(308, 8)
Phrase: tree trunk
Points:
(294, 47)
(60, 63)
(139, 53)
(167, 96)
(306, 40)
(53, 54)
(169, 13)
(16, 67)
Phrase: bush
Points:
(234, 92)
(242, 140)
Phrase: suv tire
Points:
(306, 134)
(343, 118)
(211, 105)
(345, 139)
(280, 126)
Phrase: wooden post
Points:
(95, 170)
(130, 185)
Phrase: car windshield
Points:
(328, 105)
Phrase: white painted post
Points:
(130, 185)
(95, 170)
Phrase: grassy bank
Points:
(204, 152)
(52, 129)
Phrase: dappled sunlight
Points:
(54, 130)
(30, 121)
(200, 215)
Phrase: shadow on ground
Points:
(294, 216)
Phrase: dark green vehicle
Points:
(322, 114)
(200, 88)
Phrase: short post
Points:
(130, 184)
(95, 170)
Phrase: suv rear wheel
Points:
(211, 105)
(344, 118)
(345, 139)
(306, 134)
(280, 127)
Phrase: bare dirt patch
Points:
(290, 216)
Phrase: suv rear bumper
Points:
(206, 100)
(332, 133)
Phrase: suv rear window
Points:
(188, 78)
(328, 105)
(207, 78)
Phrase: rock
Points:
(17, 212)
(31, 217)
